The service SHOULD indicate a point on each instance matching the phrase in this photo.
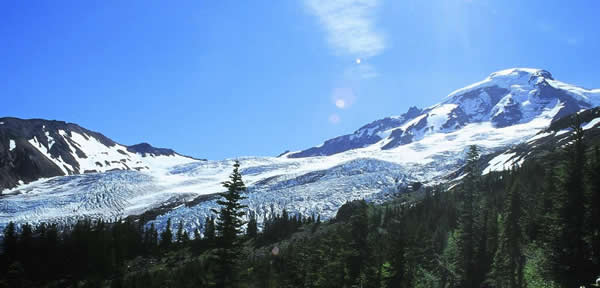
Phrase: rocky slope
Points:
(35, 148)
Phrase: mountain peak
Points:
(521, 72)
(504, 98)
(36, 148)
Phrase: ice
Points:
(300, 185)
(11, 145)
(304, 186)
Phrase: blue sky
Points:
(220, 79)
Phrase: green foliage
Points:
(537, 268)
(252, 229)
(467, 230)
(229, 228)
(166, 237)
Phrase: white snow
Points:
(11, 145)
(439, 116)
(289, 183)
(301, 185)
(561, 132)
(66, 168)
(500, 162)
(539, 136)
(592, 96)
(503, 78)
(50, 140)
(412, 122)
(591, 124)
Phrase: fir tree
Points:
(166, 237)
(180, 233)
(507, 270)
(229, 228)
(9, 242)
(252, 229)
(209, 229)
(466, 234)
(593, 221)
(572, 255)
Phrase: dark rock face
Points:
(364, 136)
(146, 149)
(456, 118)
(20, 161)
(26, 163)
(482, 100)
(571, 105)
(509, 116)
(401, 137)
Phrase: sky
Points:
(224, 79)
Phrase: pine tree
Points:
(359, 254)
(209, 229)
(24, 246)
(572, 255)
(179, 235)
(466, 231)
(229, 228)
(396, 254)
(9, 242)
(252, 229)
(507, 270)
(166, 237)
(593, 221)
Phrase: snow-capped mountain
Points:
(35, 148)
(376, 162)
(504, 98)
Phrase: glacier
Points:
(377, 162)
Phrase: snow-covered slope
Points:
(35, 148)
(376, 162)
(504, 98)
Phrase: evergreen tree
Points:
(507, 271)
(396, 255)
(180, 233)
(593, 221)
(466, 233)
(358, 247)
(252, 229)
(209, 229)
(166, 237)
(24, 246)
(572, 255)
(228, 227)
(9, 242)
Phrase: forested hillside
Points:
(537, 225)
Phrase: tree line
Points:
(536, 225)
